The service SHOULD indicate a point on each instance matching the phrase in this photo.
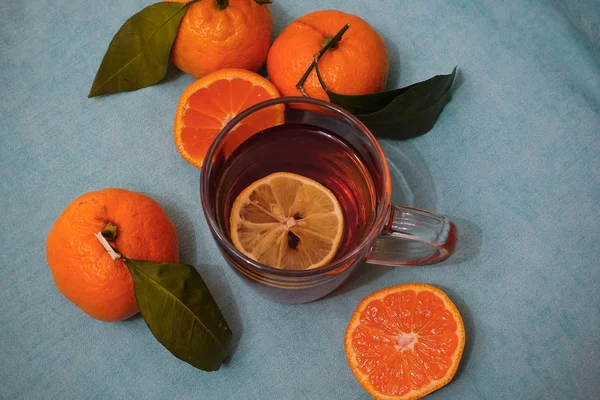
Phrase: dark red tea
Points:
(313, 152)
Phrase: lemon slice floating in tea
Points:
(287, 221)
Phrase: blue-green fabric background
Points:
(514, 160)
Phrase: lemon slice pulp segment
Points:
(287, 221)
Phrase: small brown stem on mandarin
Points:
(328, 44)
(325, 41)
(222, 4)
(320, 78)
(263, 2)
(110, 231)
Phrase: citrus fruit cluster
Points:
(225, 47)
(402, 342)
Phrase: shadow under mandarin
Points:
(183, 225)
(393, 80)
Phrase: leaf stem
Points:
(111, 252)
(320, 78)
(330, 44)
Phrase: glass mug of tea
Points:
(323, 143)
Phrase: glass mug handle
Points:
(413, 236)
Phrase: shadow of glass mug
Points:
(395, 235)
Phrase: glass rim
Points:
(223, 239)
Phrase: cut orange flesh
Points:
(208, 104)
(405, 342)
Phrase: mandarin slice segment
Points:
(208, 104)
(405, 342)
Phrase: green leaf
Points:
(367, 103)
(138, 55)
(402, 113)
(180, 312)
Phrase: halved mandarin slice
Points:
(209, 103)
(287, 221)
(405, 342)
